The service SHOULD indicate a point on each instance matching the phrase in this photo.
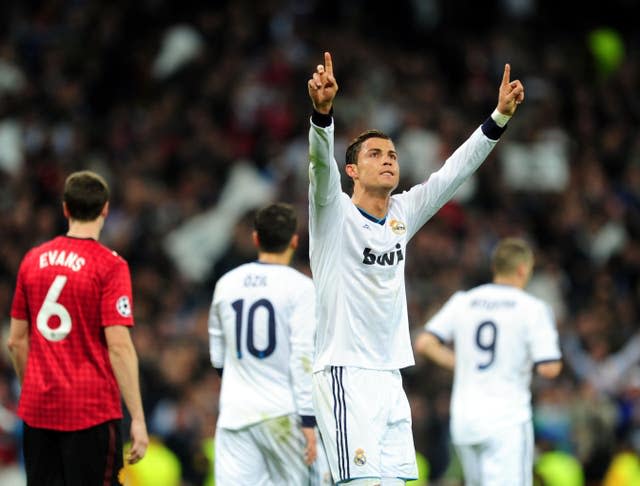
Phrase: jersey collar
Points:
(371, 217)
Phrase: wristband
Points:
(500, 118)
(321, 119)
(491, 129)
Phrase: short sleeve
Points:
(442, 323)
(117, 302)
(19, 306)
(544, 336)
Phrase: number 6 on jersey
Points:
(52, 308)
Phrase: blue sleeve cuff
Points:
(308, 420)
(492, 130)
(438, 337)
(545, 361)
(219, 371)
(322, 120)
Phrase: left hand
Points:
(310, 450)
(511, 93)
(139, 441)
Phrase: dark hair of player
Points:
(85, 194)
(275, 225)
(354, 147)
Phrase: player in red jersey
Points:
(72, 351)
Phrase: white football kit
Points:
(262, 328)
(363, 331)
(500, 333)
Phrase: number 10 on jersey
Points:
(238, 307)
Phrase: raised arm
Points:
(424, 200)
(510, 94)
(323, 86)
(324, 176)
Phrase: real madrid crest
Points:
(360, 458)
(398, 227)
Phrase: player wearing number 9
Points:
(500, 334)
(71, 349)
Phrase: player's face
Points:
(377, 166)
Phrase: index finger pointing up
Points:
(328, 64)
(507, 73)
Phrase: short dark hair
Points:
(509, 254)
(85, 194)
(275, 224)
(354, 147)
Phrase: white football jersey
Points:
(499, 333)
(261, 330)
(358, 261)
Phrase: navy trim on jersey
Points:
(372, 218)
(492, 130)
(340, 416)
(308, 420)
(439, 338)
(544, 361)
(322, 120)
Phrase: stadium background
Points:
(197, 112)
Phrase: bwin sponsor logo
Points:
(388, 258)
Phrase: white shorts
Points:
(504, 459)
(269, 453)
(365, 422)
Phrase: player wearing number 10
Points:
(262, 329)
(500, 334)
(71, 349)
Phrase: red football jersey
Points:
(69, 289)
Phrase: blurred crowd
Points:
(197, 112)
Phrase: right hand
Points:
(139, 441)
(310, 451)
(323, 86)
